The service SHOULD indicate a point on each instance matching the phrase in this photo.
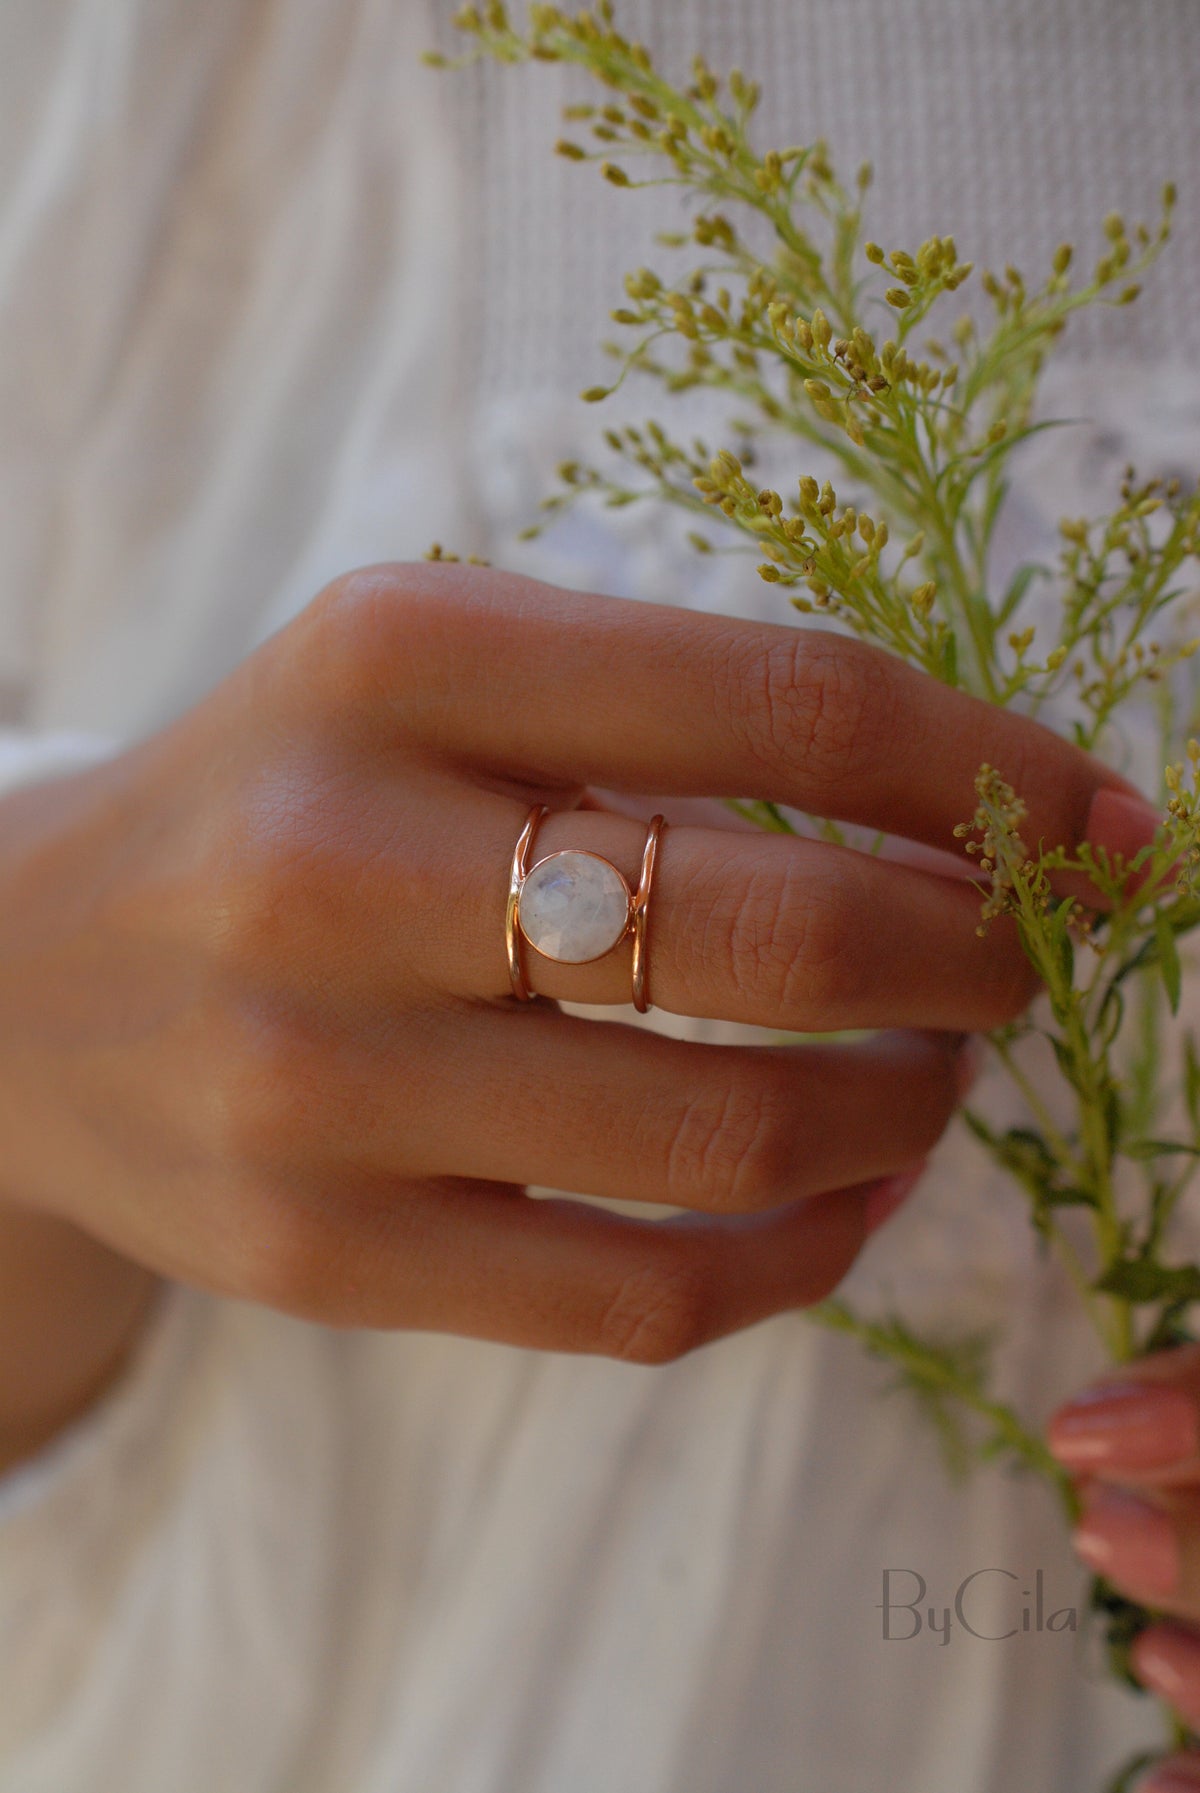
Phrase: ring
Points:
(574, 907)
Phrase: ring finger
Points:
(782, 932)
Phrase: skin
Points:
(1148, 1468)
(258, 1030)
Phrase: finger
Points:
(542, 1097)
(1139, 1424)
(765, 929)
(485, 1260)
(570, 688)
(1147, 1544)
(711, 812)
(405, 881)
(1175, 1774)
(1166, 1658)
(703, 812)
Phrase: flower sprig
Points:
(905, 383)
(793, 312)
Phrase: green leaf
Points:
(1112, 1013)
(1168, 960)
(1181, 918)
(1127, 1775)
(1061, 944)
(979, 1128)
(1028, 1156)
(1138, 1280)
(1066, 1063)
(1018, 585)
(1169, 1329)
(1070, 1195)
(1028, 1139)
(1111, 1104)
(1157, 1148)
(949, 651)
(1191, 1080)
(1123, 1619)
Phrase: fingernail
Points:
(1121, 823)
(1129, 1541)
(968, 1065)
(887, 1196)
(1125, 1425)
(1167, 1659)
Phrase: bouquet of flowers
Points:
(775, 300)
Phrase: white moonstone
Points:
(573, 906)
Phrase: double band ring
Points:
(574, 907)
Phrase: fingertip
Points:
(1125, 1425)
(1121, 822)
(1165, 1657)
(883, 1200)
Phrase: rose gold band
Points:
(636, 923)
(640, 900)
(520, 863)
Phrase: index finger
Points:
(560, 687)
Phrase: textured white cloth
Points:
(273, 302)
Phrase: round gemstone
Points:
(573, 906)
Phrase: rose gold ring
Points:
(574, 907)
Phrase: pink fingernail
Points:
(1166, 1658)
(1125, 1425)
(887, 1196)
(1129, 1541)
(1121, 823)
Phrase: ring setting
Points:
(574, 906)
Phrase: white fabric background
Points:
(273, 302)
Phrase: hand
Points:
(258, 1033)
(1133, 1439)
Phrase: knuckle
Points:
(827, 971)
(732, 1145)
(267, 1095)
(341, 629)
(659, 1313)
(290, 869)
(282, 1256)
(820, 705)
(384, 630)
(748, 934)
(789, 940)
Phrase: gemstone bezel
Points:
(580, 853)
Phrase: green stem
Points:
(1059, 1241)
(936, 1373)
(1039, 1110)
(1094, 1129)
